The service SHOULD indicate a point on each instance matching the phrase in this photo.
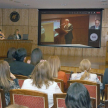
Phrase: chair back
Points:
(59, 100)
(93, 89)
(60, 83)
(68, 73)
(2, 99)
(21, 79)
(29, 98)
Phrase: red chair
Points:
(21, 79)
(2, 99)
(93, 89)
(68, 73)
(60, 84)
(29, 98)
(59, 100)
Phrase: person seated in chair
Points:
(77, 96)
(18, 66)
(42, 80)
(10, 54)
(85, 67)
(7, 80)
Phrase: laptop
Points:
(25, 36)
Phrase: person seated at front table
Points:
(85, 67)
(17, 36)
(1, 35)
(42, 80)
(18, 66)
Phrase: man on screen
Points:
(97, 25)
(68, 28)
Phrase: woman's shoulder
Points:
(28, 80)
(93, 75)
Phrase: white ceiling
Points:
(54, 3)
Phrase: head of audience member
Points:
(41, 74)
(4, 75)
(0, 30)
(17, 31)
(77, 96)
(85, 66)
(36, 56)
(20, 54)
(97, 23)
(11, 52)
(16, 106)
(55, 65)
(66, 22)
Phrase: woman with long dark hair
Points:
(7, 80)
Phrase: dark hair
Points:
(0, 30)
(36, 56)
(77, 96)
(11, 52)
(20, 54)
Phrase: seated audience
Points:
(16, 106)
(42, 80)
(77, 96)
(36, 57)
(85, 67)
(10, 54)
(7, 80)
(18, 66)
(55, 64)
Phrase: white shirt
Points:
(93, 78)
(17, 36)
(53, 88)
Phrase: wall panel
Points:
(33, 17)
(23, 17)
(1, 16)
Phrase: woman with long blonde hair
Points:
(7, 80)
(55, 65)
(85, 67)
(42, 80)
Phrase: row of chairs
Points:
(36, 99)
(94, 92)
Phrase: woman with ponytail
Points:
(85, 67)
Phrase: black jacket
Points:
(21, 68)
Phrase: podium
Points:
(59, 39)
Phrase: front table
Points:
(6, 44)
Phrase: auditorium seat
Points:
(68, 73)
(21, 79)
(2, 99)
(93, 89)
(60, 84)
(59, 100)
(29, 98)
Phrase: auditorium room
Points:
(53, 54)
